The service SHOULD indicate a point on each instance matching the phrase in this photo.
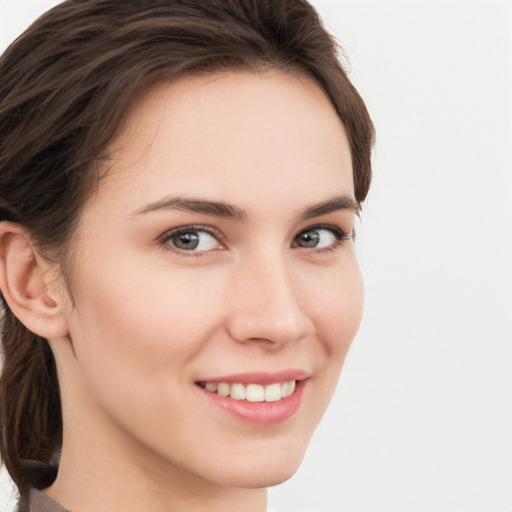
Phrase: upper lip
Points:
(262, 378)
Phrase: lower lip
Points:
(260, 413)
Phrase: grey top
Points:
(39, 502)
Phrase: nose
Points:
(266, 305)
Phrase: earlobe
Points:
(23, 285)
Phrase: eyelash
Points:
(340, 235)
(169, 235)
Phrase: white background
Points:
(422, 419)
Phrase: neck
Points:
(89, 482)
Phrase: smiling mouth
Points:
(251, 392)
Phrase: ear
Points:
(23, 284)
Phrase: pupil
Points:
(310, 239)
(187, 241)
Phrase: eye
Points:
(190, 239)
(319, 237)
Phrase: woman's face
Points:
(216, 257)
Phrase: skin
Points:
(149, 320)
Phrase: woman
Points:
(179, 181)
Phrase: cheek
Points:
(338, 308)
(336, 305)
(350, 306)
(134, 323)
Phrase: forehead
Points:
(228, 130)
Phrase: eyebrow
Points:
(229, 211)
(213, 208)
(336, 203)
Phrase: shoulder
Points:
(38, 501)
(22, 505)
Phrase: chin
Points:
(266, 473)
(267, 478)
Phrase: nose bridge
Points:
(265, 303)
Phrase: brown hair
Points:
(65, 85)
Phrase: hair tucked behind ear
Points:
(30, 412)
(65, 86)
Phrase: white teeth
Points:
(223, 389)
(238, 392)
(255, 393)
(273, 392)
(252, 392)
(211, 386)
